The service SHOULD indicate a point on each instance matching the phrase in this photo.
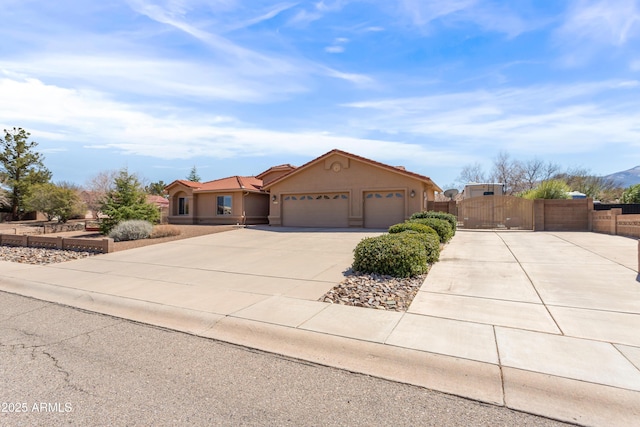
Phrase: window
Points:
(183, 206)
(224, 205)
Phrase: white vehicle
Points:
(476, 189)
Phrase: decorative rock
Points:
(375, 291)
(39, 256)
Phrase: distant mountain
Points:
(626, 178)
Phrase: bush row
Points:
(409, 247)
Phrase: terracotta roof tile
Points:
(232, 183)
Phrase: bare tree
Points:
(471, 173)
(97, 188)
(583, 180)
(509, 172)
(535, 171)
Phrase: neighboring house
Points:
(162, 204)
(232, 200)
(337, 189)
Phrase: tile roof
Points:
(285, 166)
(232, 183)
(186, 183)
(157, 200)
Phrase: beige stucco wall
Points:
(246, 208)
(174, 195)
(337, 174)
(256, 208)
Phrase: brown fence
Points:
(496, 212)
(74, 244)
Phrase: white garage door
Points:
(383, 208)
(315, 210)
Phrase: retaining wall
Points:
(74, 244)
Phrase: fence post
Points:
(60, 242)
(614, 220)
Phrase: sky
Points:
(233, 87)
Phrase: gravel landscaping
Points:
(375, 291)
(39, 256)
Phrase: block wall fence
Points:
(570, 215)
(74, 244)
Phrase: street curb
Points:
(546, 395)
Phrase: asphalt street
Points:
(63, 366)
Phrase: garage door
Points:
(315, 210)
(383, 208)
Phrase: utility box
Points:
(476, 189)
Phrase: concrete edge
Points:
(541, 394)
(570, 400)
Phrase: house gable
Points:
(342, 187)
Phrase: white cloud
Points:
(82, 118)
(602, 22)
(334, 49)
(551, 119)
(423, 12)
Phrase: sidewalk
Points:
(546, 323)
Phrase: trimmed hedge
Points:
(430, 241)
(441, 226)
(134, 229)
(413, 226)
(397, 255)
(452, 219)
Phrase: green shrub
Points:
(430, 241)
(413, 226)
(452, 219)
(552, 189)
(134, 229)
(631, 194)
(397, 255)
(442, 227)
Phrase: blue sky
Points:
(234, 87)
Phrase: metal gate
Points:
(507, 212)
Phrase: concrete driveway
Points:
(218, 273)
(541, 322)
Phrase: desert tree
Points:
(125, 201)
(156, 188)
(193, 175)
(61, 201)
(21, 167)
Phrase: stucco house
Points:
(337, 189)
(232, 200)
